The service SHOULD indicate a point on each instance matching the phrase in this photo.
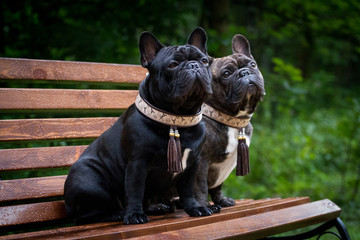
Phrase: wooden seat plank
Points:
(54, 128)
(28, 98)
(180, 220)
(70, 71)
(180, 224)
(36, 158)
(256, 226)
(28, 188)
(243, 208)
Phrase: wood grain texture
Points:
(259, 225)
(54, 128)
(15, 68)
(249, 219)
(31, 213)
(37, 158)
(158, 223)
(26, 98)
(20, 189)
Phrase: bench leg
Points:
(320, 231)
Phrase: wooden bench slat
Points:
(258, 225)
(257, 206)
(181, 220)
(71, 71)
(36, 158)
(29, 188)
(55, 128)
(25, 98)
(244, 205)
(170, 222)
(31, 213)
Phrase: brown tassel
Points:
(178, 147)
(174, 151)
(243, 162)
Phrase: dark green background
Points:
(306, 137)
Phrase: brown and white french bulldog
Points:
(238, 86)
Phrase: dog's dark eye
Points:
(204, 61)
(173, 65)
(226, 74)
(253, 64)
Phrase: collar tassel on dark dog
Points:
(174, 155)
(174, 151)
(243, 159)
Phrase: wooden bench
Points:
(41, 138)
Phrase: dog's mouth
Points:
(192, 88)
(191, 76)
(247, 105)
(245, 87)
(256, 91)
(191, 102)
(245, 94)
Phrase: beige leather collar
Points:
(163, 117)
(223, 118)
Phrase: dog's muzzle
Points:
(194, 66)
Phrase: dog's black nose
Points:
(193, 65)
(244, 72)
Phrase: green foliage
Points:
(90, 30)
(287, 70)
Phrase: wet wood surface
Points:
(37, 158)
(60, 99)
(256, 226)
(249, 219)
(29, 188)
(54, 128)
(70, 71)
(31, 213)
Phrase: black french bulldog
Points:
(127, 164)
(238, 86)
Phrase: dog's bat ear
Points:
(198, 38)
(149, 46)
(241, 45)
(211, 59)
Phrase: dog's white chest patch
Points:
(224, 168)
(184, 159)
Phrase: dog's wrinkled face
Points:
(238, 84)
(179, 77)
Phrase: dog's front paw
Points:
(215, 208)
(226, 202)
(136, 218)
(199, 211)
(159, 209)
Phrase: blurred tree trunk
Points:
(216, 17)
(306, 52)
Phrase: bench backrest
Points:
(39, 135)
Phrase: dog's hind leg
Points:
(96, 208)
